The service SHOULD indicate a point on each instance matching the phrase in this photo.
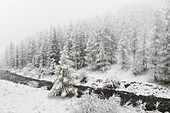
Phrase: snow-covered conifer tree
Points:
(22, 55)
(31, 51)
(11, 55)
(134, 45)
(124, 59)
(110, 42)
(16, 58)
(42, 53)
(7, 58)
(102, 62)
(63, 85)
(163, 32)
(78, 46)
(91, 51)
(53, 51)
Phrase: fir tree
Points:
(22, 55)
(162, 70)
(11, 55)
(16, 58)
(77, 46)
(63, 85)
(53, 51)
(164, 53)
(102, 62)
(91, 51)
(134, 50)
(124, 59)
(31, 51)
(110, 42)
(7, 58)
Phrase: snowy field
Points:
(18, 98)
(35, 100)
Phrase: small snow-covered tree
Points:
(155, 46)
(16, 58)
(43, 50)
(162, 48)
(22, 55)
(109, 41)
(142, 54)
(124, 59)
(77, 45)
(91, 51)
(134, 45)
(102, 62)
(11, 55)
(53, 50)
(30, 52)
(7, 58)
(63, 85)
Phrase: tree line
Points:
(136, 39)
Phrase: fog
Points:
(21, 18)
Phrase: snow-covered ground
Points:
(146, 89)
(114, 73)
(18, 98)
(27, 72)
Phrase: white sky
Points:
(20, 18)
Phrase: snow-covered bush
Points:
(63, 85)
(93, 104)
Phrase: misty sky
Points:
(21, 18)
